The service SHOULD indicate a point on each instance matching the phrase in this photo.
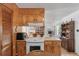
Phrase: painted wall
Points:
(49, 21)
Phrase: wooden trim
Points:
(6, 51)
(0, 30)
(6, 7)
(6, 46)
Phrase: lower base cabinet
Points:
(21, 48)
(52, 47)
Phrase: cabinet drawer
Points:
(53, 43)
(48, 43)
(56, 43)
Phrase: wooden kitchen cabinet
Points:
(52, 47)
(31, 18)
(29, 15)
(27, 19)
(20, 20)
(5, 31)
(68, 36)
(21, 48)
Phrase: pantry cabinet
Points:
(6, 15)
(68, 36)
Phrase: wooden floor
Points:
(66, 53)
(63, 53)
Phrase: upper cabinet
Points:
(20, 20)
(29, 15)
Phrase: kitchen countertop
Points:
(35, 39)
(51, 38)
(40, 39)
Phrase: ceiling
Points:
(54, 11)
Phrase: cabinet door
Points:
(6, 31)
(20, 20)
(56, 50)
(21, 48)
(48, 48)
(32, 18)
(38, 18)
(70, 45)
(53, 48)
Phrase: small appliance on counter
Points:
(50, 33)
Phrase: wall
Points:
(49, 21)
(74, 16)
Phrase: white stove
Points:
(38, 41)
